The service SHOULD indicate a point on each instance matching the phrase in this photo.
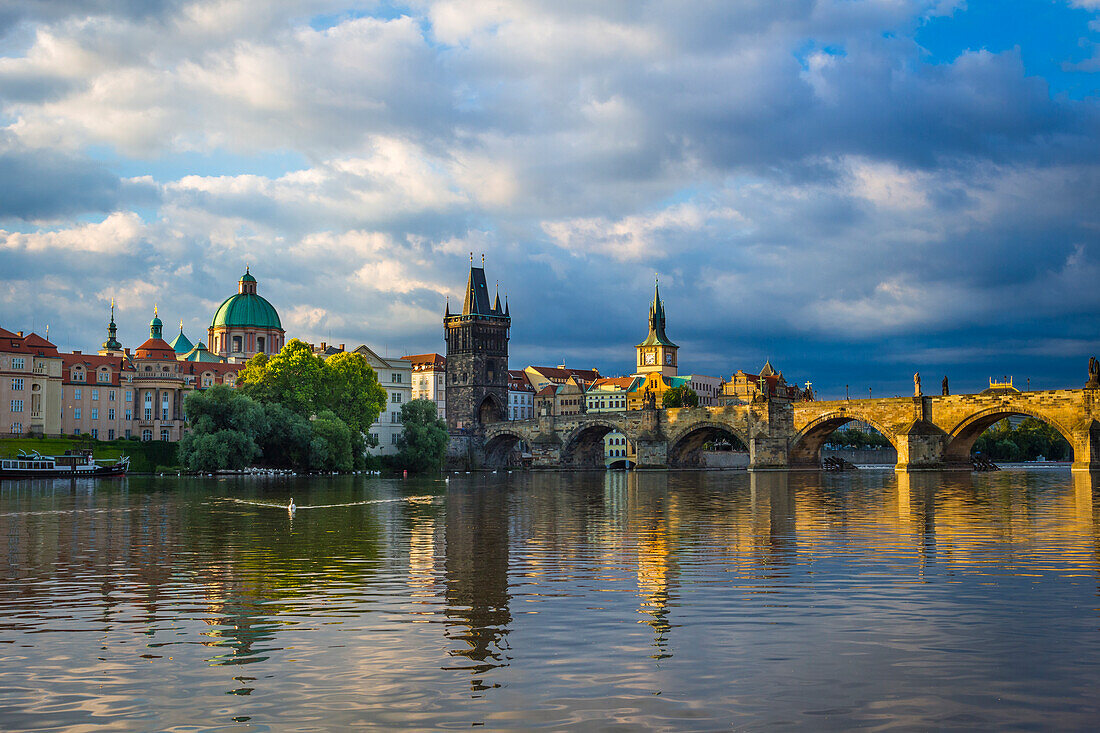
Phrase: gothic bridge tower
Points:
(477, 357)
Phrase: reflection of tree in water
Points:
(477, 579)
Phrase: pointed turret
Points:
(657, 353)
(181, 344)
(507, 314)
(156, 328)
(112, 344)
(657, 322)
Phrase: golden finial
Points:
(483, 260)
(471, 258)
(155, 314)
(181, 325)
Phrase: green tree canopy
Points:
(423, 441)
(308, 385)
(682, 396)
(354, 393)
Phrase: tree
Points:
(286, 444)
(225, 426)
(331, 446)
(354, 393)
(294, 378)
(423, 441)
(682, 396)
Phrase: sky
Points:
(856, 190)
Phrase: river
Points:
(662, 601)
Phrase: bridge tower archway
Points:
(584, 447)
(686, 449)
(805, 451)
(962, 438)
(490, 410)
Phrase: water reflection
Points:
(650, 600)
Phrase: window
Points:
(395, 378)
(17, 405)
(236, 344)
(396, 397)
(17, 383)
(129, 395)
(78, 375)
(395, 417)
(129, 416)
(374, 438)
(164, 407)
(104, 377)
(149, 406)
(95, 434)
(17, 362)
(111, 396)
(17, 427)
(164, 436)
(393, 439)
(77, 393)
(95, 394)
(76, 414)
(260, 344)
(95, 413)
(110, 434)
(127, 432)
(147, 434)
(110, 413)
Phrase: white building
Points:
(429, 380)
(521, 396)
(708, 388)
(395, 376)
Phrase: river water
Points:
(664, 601)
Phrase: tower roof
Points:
(656, 334)
(181, 344)
(246, 309)
(477, 302)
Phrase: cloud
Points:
(809, 184)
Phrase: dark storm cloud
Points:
(46, 185)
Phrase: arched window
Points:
(164, 435)
(147, 434)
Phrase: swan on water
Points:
(290, 507)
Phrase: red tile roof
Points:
(561, 374)
(31, 343)
(155, 349)
(424, 360)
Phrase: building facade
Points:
(30, 385)
(395, 377)
(539, 377)
(521, 396)
(477, 358)
(429, 380)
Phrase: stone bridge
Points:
(929, 433)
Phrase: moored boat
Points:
(77, 463)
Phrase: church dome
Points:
(246, 309)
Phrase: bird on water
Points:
(290, 507)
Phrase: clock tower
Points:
(657, 353)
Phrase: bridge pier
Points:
(768, 454)
(1086, 447)
(921, 448)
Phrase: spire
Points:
(112, 344)
(506, 313)
(155, 326)
(496, 304)
(657, 318)
(447, 312)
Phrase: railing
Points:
(39, 369)
(36, 414)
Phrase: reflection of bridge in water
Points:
(929, 433)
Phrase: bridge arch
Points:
(686, 447)
(963, 436)
(805, 447)
(583, 446)
(502, 447)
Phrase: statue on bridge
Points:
(1094, 374)
(649, 400)
(946, 389)
(916, 385)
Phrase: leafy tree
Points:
(682, 396)
(354, 393)
(225, 425)
(252, 379)
(286, 444)
(331, 445)
(223, 449)
(1029, 440)
(294, 378)
(423, 441)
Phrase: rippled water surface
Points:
(586, 601)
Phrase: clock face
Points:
(650, 358)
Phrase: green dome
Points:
(181, 344)
(247, 310)
(246, 277)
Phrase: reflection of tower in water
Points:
(773, 510)
(658, 512)
(477, 579)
